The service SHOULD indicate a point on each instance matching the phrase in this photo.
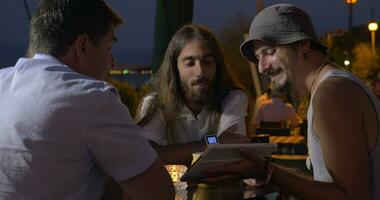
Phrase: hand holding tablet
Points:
(222, 154)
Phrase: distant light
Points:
(347, 62)
(372, 26)
(125, 71)
(351, 1)
(115, 72)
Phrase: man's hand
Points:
(230, 137)
(251, 167)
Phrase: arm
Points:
(339, 126)
(182, 153)
(178, 153)
(155, 130)
(256, 119)
(115, 144)
(229, 136)
(342, 139)
(252, 128)
(234, 108)
(153, 183)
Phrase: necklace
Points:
(317, 75)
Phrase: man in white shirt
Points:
(275, 110)
(192, 97)
(63, 129)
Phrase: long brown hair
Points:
(167, 92)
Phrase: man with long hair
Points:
(63, 129)
(192, 96)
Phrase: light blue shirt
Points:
(62, 133)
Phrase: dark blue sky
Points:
(136, 35)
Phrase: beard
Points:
(290, 87)
(278, 84)
(280, 87)
(200, 96)
(287, 84)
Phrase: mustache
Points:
(200, 80)
(272, 72)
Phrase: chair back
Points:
(274, 131)
(281, 124)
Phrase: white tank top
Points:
(315, 151)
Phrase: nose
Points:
(200, 67)
(263, 65)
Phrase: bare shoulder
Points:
(339, 93)
(339, 105)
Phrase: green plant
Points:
(128, 95)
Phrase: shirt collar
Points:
(185, 112)
(47, 57)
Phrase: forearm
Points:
(136, 187)
(179, 153)
(305, 188)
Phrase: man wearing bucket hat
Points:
(343, 114)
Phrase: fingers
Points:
(237, 169)
(220, 180)
(222, 169)
(229, 136)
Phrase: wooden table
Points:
(234, 191)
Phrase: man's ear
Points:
(81, 45)
(304, 46)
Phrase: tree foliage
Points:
(366, 63)
(144, 90)
(344, 43)
(231, 36)
(128, 95)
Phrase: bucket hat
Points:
(279, 24)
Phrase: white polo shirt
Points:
(190, 128)
(275, 110)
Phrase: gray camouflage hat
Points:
(279, 24)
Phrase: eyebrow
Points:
(263, 50)
(192, 57)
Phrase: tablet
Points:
(216, 155)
